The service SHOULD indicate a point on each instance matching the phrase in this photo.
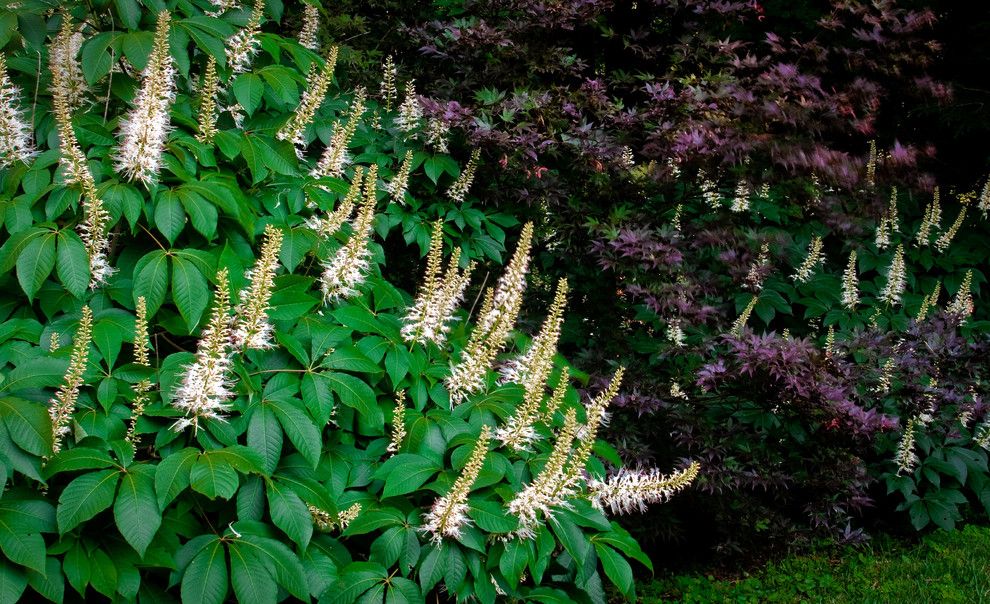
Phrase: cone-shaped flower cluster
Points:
(310, 26)
(205, 385)
(814, 258)
(335, 155)
(709, 191)
(962, 305)
(251, 328)
(437, 131)
(316, 90)
(141, 346)
(449, 513)
(905, 458)
(495, 321)
(349, 266)
(428, 319)
(63, 404)
(532, 370)
(207, 118)
(557, 396)
(324, 522)
(388, 91)
(398, 423)
(740, 203)
(67, 75)
(398, 185)
(242, 47)
(871, 166)
(632, 490)
(850, 284)
(931, 221)
(93, 229)
(896, 279)
(942, 243)
(144, 130)
(326, 226)
(16, 136)
(410, 111)
(930, 302)
(743, 317)
(462, 185)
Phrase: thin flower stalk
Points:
(871, 166)
(142, 344)
(93, 228)
(557, 396)
(316, 90)
(63, 405)
(310, 27)
(984, 204)
(428, 319)
(931, 221)
(494, 324)
(348, 269)
(67, 77)
(16, 132)
(631, 491)
(252, 330)
(850, 284)
(242, 47)
(206, 384)
(448, 515)
(943, 242)
(740, 322)
(400, 183)
(410, 111)
(896, 279)
(905, 458)
(389, 93)
(462, 185)
(757, 272)
(206, 126)
(597, 416)
(335, 157)
(220, 7)
(532, 370)
(814, 258)
(144, 129)
(326, 225)
(930, 302)
(398, 435)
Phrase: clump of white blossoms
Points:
(498, 315)
(398, 434)
(310, 26)
(317, 85)
(206, 125)
(388, 92)
(931, 222)
(962, 304)
(905, 458)
(16, 133)
(740, 203)
(632, 490)
(326, 225)
(532, 370)
(850, 284)
(437, 131)
(242, 47)
(675, 333)
(93, 228)
(144, 130)
(709, 190)
(428, 319)
(205, 386)
(814, 258)
(410, 111)
(349, 266)
(400, 182)
(335, 157)
(896, 279)
(252, 329)
(449, 513)
(66, 71)
(984, 204)
(462, 185)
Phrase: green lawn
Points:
(945, 567)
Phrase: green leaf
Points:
(513, 561)
(13, 581)
(289, 571)
(85, 497)
(151, 279)
(72, 263)
(290, 514)
(264, 434)
(129, 13)
(404, 473)
(26, 549)
(35, 263)
(491, 517)
(50, 583)
(79, 458)
(213, 476)
(29, 424)
(202, 214)
(250, 575)
(136, 509)
(205, 580)
(172, 475)
(96, 60)
(189, 290)
(617, 569)
(300, 429)
(248, 90)
(355, 393)
(350, 358)
(169, 216)
(353, 580)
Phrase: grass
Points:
(943, 568)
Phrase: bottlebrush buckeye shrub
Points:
(207, 383)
